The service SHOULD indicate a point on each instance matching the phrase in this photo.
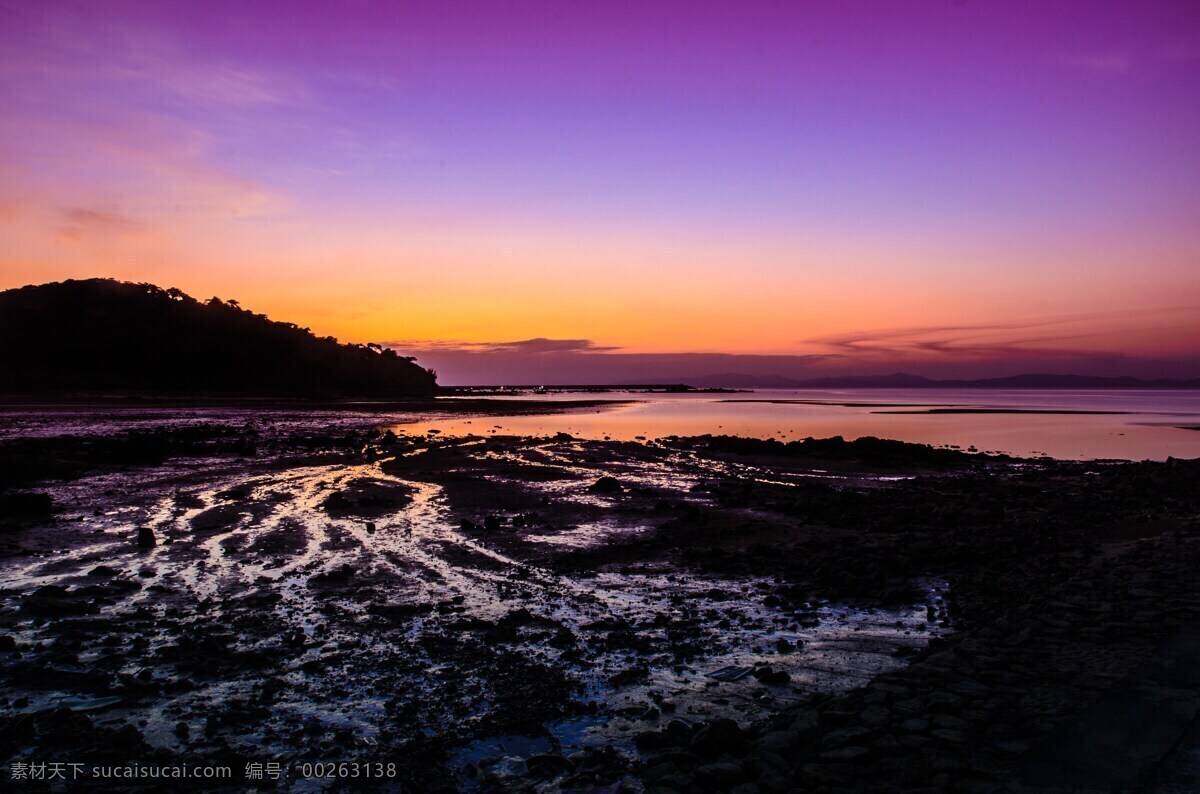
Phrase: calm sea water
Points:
(1139, 425)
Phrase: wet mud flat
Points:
(508, 613)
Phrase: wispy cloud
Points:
(1036, 337)
(1180, 51)
(156, 168)
(536, 346)
(941, 340)
(82, 221)
(107, 111)
(66, 47)
(83, 216)
(1101, 63)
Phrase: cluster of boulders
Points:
(961, 716)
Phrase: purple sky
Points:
(951, 187)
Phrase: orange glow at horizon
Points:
(859, 205)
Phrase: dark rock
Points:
(27, 505)
(760, 760)
(875, 716)
(145, 538)
(343, 573)
(367, 498)
(678, 731)
(651, 740)
(549, 765)
(221, 517)
(770, 676)
(806, 725)
(662, 771)
(778, 741)
(847, 736)
(843, 754)
(54, 601)
(718, 736)
(606, 485)
(774, 782)
(950, 721)
(720, 775)
(944, 701)
(518, 617)
(837, 776)
(951, 736)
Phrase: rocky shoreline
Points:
(982, 710)
(502, 613)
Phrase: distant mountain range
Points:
(901, 380)
(101, 335)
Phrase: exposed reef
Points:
(504, 613)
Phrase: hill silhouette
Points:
(104, 335)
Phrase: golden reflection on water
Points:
(1136, 425)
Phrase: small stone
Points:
(846, 736)
(851, 753)
(952, 736)
(944, 701)
(950, 721)
(875, 716)
(722, 774)
(548, 765)
(778, 741)
(806, 724)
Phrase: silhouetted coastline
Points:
(102, 335)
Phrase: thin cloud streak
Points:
(1108, 63)
(539, 345)
(1000, 339)
(148, 64)
(82, 216)
(963, 350)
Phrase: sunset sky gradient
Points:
(526, 189)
